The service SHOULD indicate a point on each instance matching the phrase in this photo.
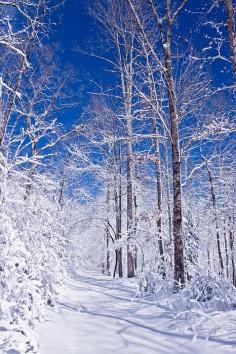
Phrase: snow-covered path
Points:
(96, 315)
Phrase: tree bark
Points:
(130, 255)
(231, 31)
(118, 210)
(213, 199)
(125, 61)
(108, 264)
(165, 33)
(159, 197)
(179, 272)
(232, 250)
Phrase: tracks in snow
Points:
(98, 315)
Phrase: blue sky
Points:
(76, 28)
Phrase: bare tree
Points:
(165, 26)
(231, 31)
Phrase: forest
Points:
(117, 176)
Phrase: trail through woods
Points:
(98, 315)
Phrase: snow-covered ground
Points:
(98, 315)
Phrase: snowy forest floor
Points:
(98, 315)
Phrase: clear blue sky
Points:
(76, 28)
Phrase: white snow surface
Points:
(99, 315)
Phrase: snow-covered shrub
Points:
(209, 289)
(32, 245)
(193, 308)
(16, 336)
(149, 283)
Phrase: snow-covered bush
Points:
(193, 308)
(32, 260)
(16, 335)
(150, 283)
(216, 290)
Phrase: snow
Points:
(99, 315)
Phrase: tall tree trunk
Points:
(108, 264)
(126, 76)
(226, 255)
(154, 108)
(226, 243)
(232, 251)
(231, 31)
(130, 255)
(120, 266)
(168, 193)
(129, 167)
(213, 199)
(159, 196)
(179, 272)
(127, 92)
(136, 191)
(118, 206)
